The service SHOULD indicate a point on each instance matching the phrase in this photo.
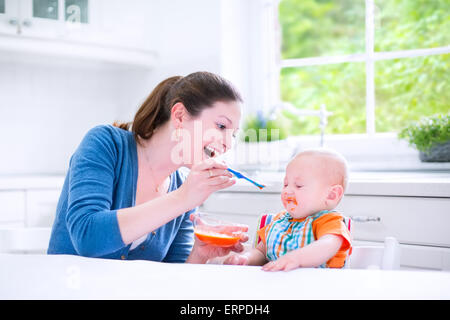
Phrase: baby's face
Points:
(305, 187)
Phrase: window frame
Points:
(369, 57)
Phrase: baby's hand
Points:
(287, 262)
(237, 259)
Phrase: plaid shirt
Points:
(286, 234)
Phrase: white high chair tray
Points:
(72, 277)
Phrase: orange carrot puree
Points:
(218, 239)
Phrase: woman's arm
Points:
(181, 246)
(136, 221)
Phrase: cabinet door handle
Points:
(16, 23)
(13, 21)
(26, 23)
(365, 218)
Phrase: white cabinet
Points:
(27, 213)
(41, 207)
(113, 31)
(420, 224)
(412, 220)
(418, 257)
(29, 202)
(12, 208)
(28, 208)
(9, 11)
(54, 18)
(44, 18)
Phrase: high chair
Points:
(385, 256)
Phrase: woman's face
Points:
(211, 133)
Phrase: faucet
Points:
(323, 114)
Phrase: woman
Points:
(124, 197)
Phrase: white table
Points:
(74, 277)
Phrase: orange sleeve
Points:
(333, 223)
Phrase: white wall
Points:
(248, 56)
(46, 108)
(186, 36)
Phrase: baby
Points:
(309, 233)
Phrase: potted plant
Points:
(263, 140)
(264, 128)
(431, 137)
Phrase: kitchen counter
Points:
(421, 184)
(74, 277)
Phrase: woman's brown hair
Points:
(197, 91)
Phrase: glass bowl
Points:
(216, 231)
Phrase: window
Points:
(375, 64)
(46, 9)
(75, 11)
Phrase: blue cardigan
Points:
(101, 179)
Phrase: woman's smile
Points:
(212, 151)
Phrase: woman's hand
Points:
(202, 252)
(237, 259)
(205, 178)
(253, 257)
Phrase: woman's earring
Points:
(178, 134)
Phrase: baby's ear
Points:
(335, 193)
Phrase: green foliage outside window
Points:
(405, 89)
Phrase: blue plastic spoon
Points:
(241, 176)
